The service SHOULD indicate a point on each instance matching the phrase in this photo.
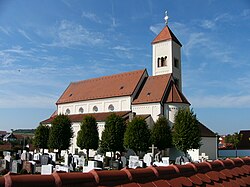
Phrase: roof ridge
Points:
(109, 76)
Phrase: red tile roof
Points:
(153, 90)
(123, 84)
(166, 34)
(230, 172)
(174, 95)
(79, 117)
(160, 88)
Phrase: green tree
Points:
(137, 135)
(60, 133)
(113, 134)
(186, 132)
(41, 137)
(161, 134)
(88, 137)
(234, 139)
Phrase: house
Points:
(9, 137)
(133, 93)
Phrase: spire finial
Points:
(166, 17)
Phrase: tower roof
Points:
(166, 34)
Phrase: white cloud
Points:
(156, 29)
(69, 34)
(5, 30)
(226, 101)
(22, 32)
(208, 24)
(91, 17)
(245, 13)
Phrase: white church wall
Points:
(119, 103)
(209, 147)
(76, 127)
(172, 109)
(177, 70)
(162, 49)
(151, 108)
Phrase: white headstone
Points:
(46, 151)
(133, 162)
(99, 158)
(8, 158)
(203, 157)
(62, 168)
(165, 161)
(194, 154)
(47, 169)
(148, 159)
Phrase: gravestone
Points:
(203, 157)
(28, 166)
(62, 168)
(53, 156)
(148, 159)
(133, 162)
(91, 165)
(37, 156)
(99, 158)
(81, 161)
(45, 160)
(181, 160)
(124, 161)
(165, 161)
(16, 166)
(5, 153)
(8, 158)
(47, 169)
(46, 151)
(4, 164)
(25, 156)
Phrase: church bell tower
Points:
(167, 54)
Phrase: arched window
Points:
(67, 111)
(81, 110)
(111, 107)
(95, 109)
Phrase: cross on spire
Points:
(166, 17)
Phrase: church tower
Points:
(167, 54)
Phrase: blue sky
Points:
(45, 45)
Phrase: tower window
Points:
(162, 61)
(81, 110)
(176, 63)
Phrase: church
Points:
(134, 93)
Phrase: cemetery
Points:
(45, 162)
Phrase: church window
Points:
(164, 61)
(158, 62)
(81, 110)
(95, 109)
(111, 108)
(67, 111)
(176, 63)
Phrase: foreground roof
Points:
(230, 172)
(123, 84)
(166, 34)
(79, 117)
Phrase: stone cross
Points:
(153, 149)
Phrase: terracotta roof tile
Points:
(217, 173)
(174, 95)
(153, 89)
(79, 117)
(123, 84)
(166, 34)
